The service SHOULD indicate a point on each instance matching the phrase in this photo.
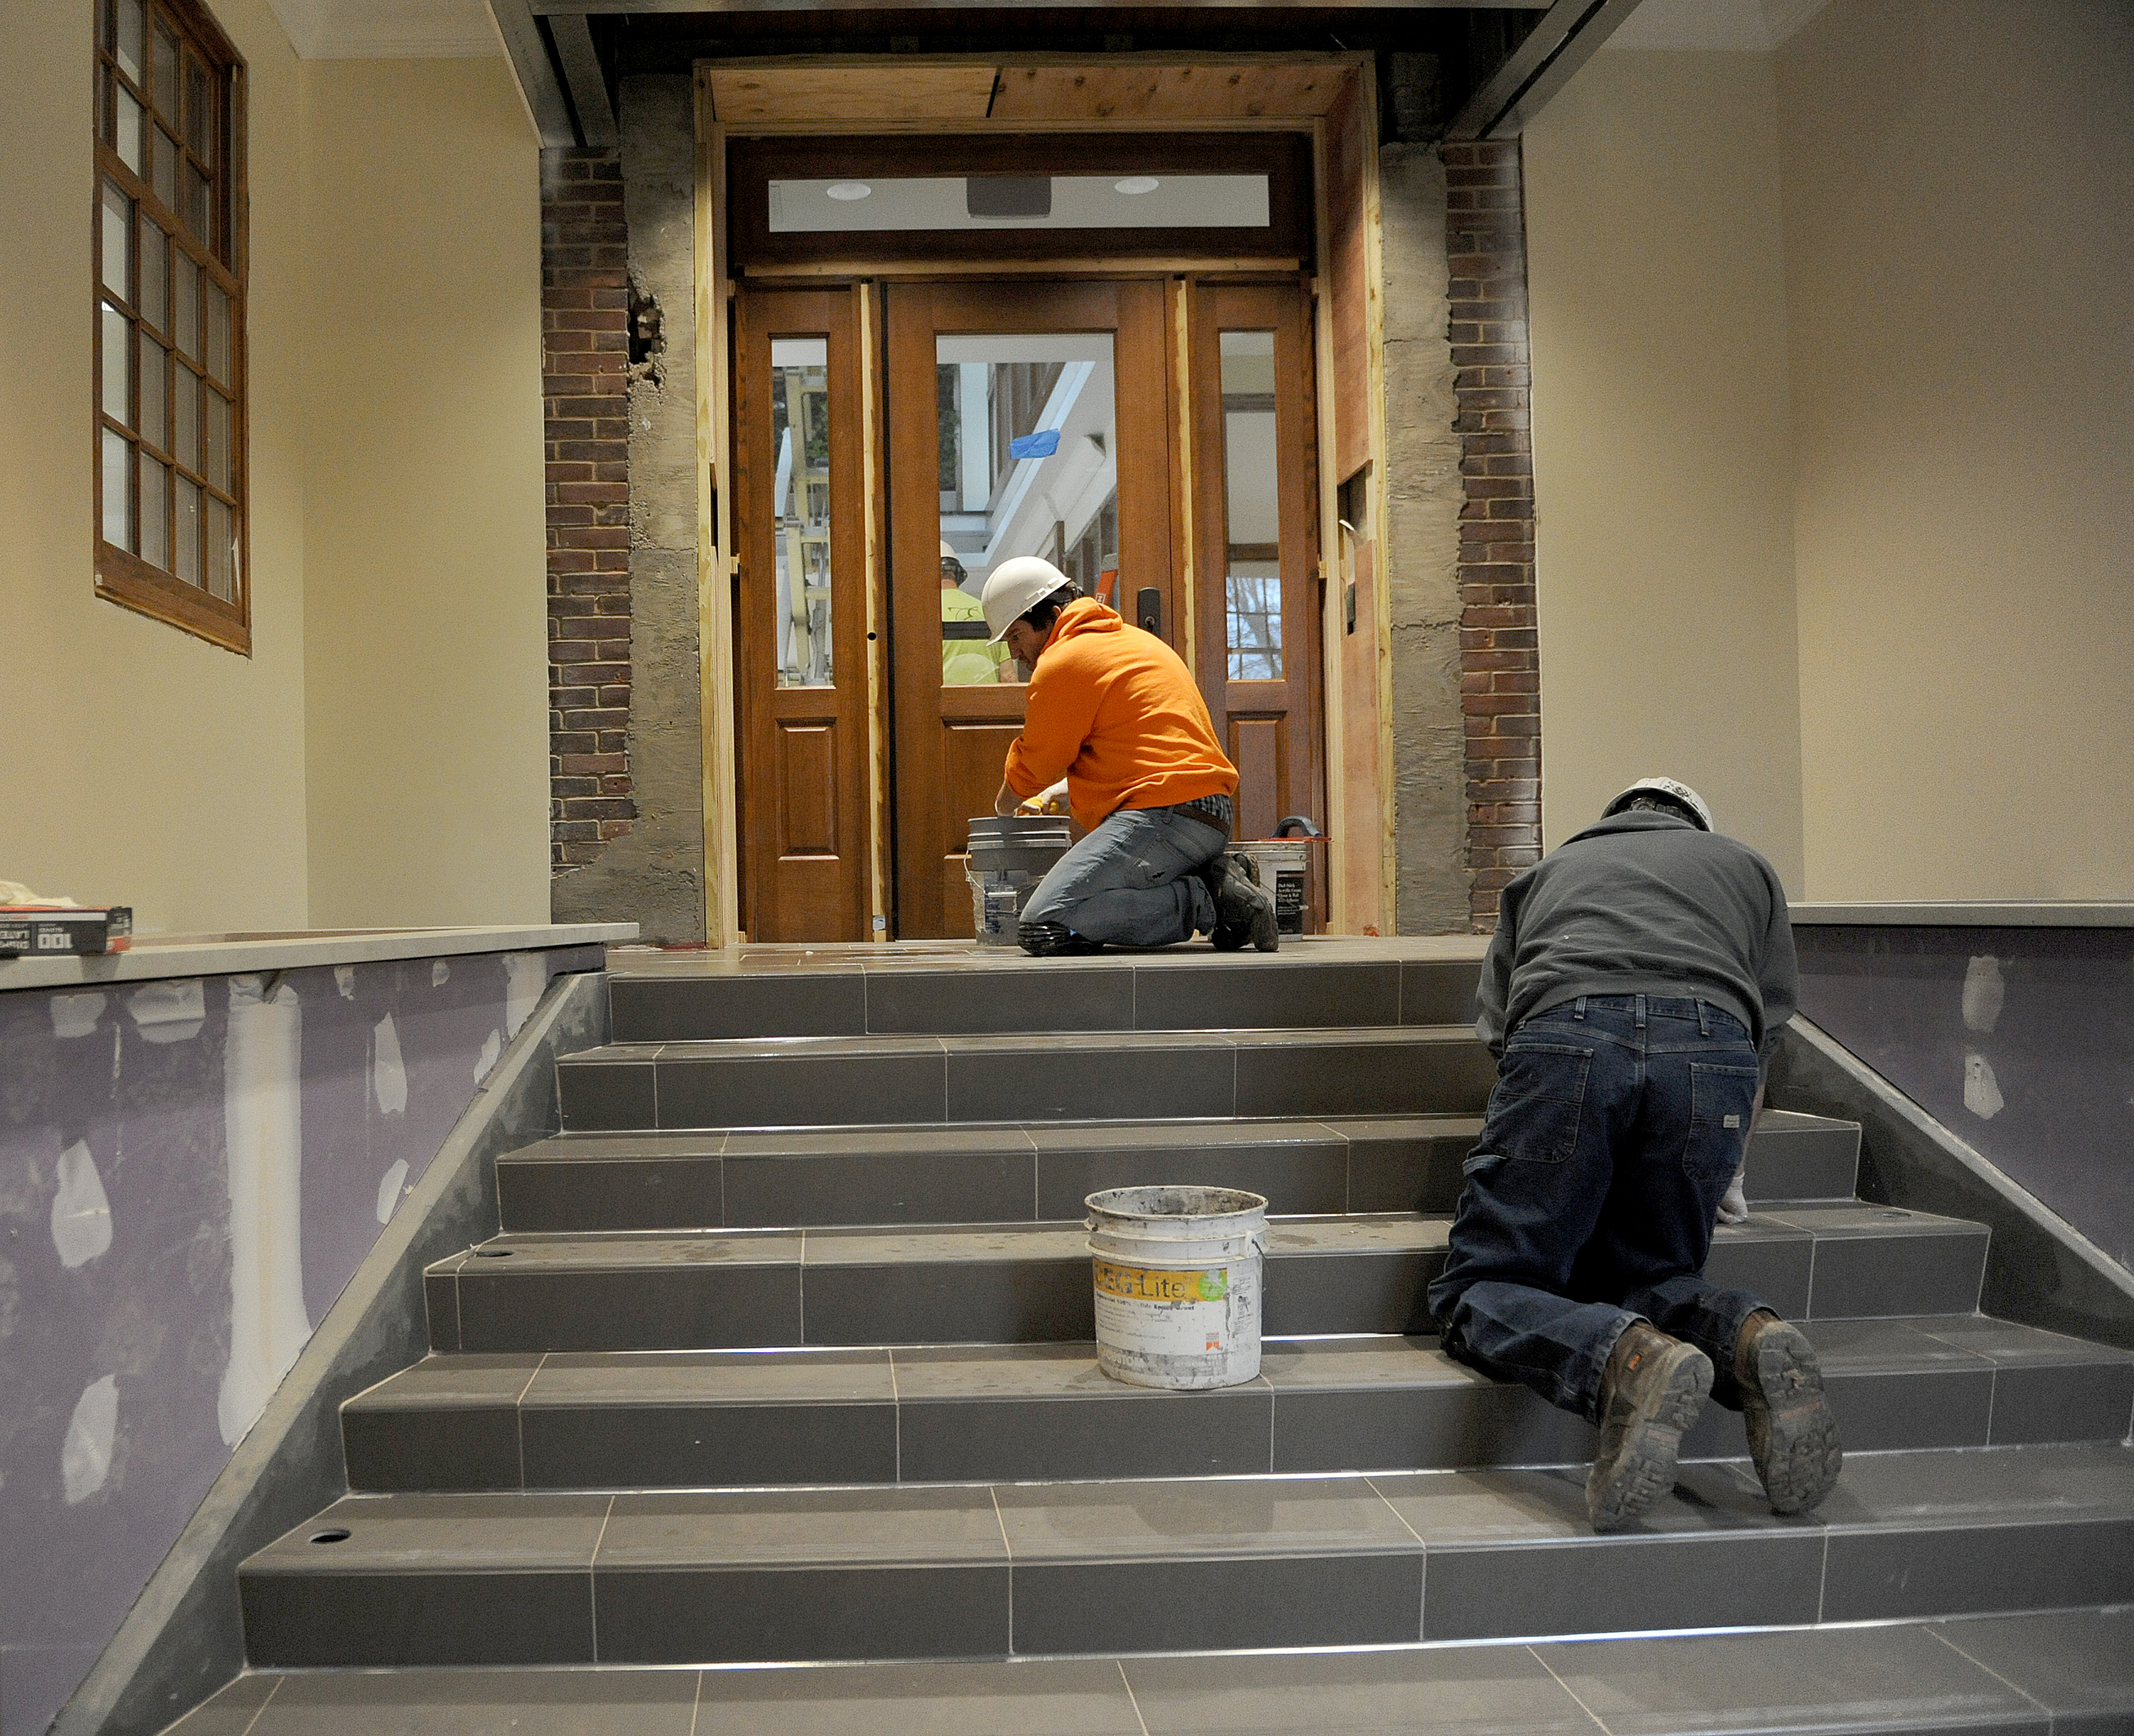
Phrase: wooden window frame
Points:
(122, 577)
(1284, 157)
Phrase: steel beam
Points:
(536, 73)
(1567, 36)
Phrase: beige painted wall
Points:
(145, 766)
(1959, 210)
(1663, 474)
(426, 625)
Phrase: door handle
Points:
(1148, 608)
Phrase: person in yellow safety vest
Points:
(967, 660)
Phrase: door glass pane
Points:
(1252, 582)
(155, 513)
(126, 38)
(187, 565)
(118, 228)
(800, 507)
(1029, 467)
(218, 332)
(155, 269)
(117, 490)
(155, 382)
(221, 562)
(218, 437)
(129, 123)
(185, 442)
(185, 313)
(118, 347)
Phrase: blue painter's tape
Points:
(1043, 444)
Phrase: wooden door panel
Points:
(950, 741)
(800, 619)
(1259, 748)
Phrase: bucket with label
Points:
(1178, 1273)
(1009, 856)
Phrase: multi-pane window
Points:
(170, 324)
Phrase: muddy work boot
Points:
(1054, 940)
(1650, 1393)
(1243, 911)
(1793, 1436)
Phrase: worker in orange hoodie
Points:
(1115, 728)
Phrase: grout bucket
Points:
(1009, 856)
(1178, 1281)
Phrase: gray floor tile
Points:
(889, 1079)
(803, 1527)
(1139, 1522)
(1361, 1284)
(748, 1615)
(1047, 1411)
(2078, 1664)
(2062, 1402)
(1013, 1697)
(1170, 1604)
(1277, 992)
(880, 1176)
(1837, 1680)
(603, 1094)
(1801, 1157)
(441, 1304)
(1004, 1284)
(1879, 1410)
(232, 1710)
(1437, 991)
(407, 1616)
(1295, 1166)
(1912, 1270)
(1350, 1072)
(671, 1305)
(1770, 1259)
(483, 1702)
(948, 1003)
(1948, 1570)
(1406, 1164)
(1495, 1691)
(784, 1003)
(567, 1192)
(1071, 1078)
(448, 1423)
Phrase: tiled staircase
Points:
(783, 1357)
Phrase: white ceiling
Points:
(388, 29)
(1751, 27)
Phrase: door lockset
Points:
(1148, 609)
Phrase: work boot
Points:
(1650, 1393)
(1053, 940)
(1793, 1436)
(1244, 911)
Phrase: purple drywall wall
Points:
(2020, 1040)
(124, 1226)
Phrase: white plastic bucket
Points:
(1008, 857)
(1178, 1280)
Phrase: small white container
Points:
(1178, 1281)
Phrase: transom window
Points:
(169, 318)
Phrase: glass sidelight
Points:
(800, 510)
(1251, 500)
(1028, 438)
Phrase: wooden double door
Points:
(894, 443)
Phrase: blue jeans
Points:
(1131, 881)
(1616, 1122)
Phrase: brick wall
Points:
(1500, 666)
(585, 360)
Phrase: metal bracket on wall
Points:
(1569, 35)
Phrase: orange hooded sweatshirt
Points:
(1115, 709)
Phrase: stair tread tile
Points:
(1845, 1679)
(504, 1257)
(449, 1382)
(1338, 1365)
(2009, 1343)
(445, 1701)
(2003, 1485)
(959, 1372)
(1024, 1697)
(888, 1141)
(1204, 1135)
(2073, 1662)
(1885, 1346)
(680, 1377)
(1119, 1521)
(1444, 1691)
(900, 1245)
(1848, 1219)
(877, 1526)
(1783, 1122)
(433, 1533)
(636, 1145)
(1378, 1232)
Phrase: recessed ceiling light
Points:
(1134, 186)
(849, 190)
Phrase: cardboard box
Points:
(52, 931)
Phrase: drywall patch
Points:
(81, 1210)
(441, 973)
(492, 1046)
(391, 1186)
(344, 980)
(263, 1131)
(169, 1012)
(525, 980)
(388, 1075)
(1985, 991)
(92, 1431)
(75, 1015)
(1981, 1090)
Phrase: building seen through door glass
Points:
(1029, 467)
(1251, 584)
(800, 505)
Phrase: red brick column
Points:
(1500, 665)
(585, 359)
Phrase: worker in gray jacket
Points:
(1638, 980)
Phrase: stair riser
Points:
(1007, 999)
(1016, 1183)
(1424, 1075)
(489, 1307)
(1562, 1586)
(1246, 1430)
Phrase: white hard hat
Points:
(1016, 587)
(1681, 792)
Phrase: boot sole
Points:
(1799, 1456)
(1641, 1469)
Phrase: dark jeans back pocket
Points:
(1721, 1100)
(1535, 1108)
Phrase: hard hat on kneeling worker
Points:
(1016, 587)
(1680, 795)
